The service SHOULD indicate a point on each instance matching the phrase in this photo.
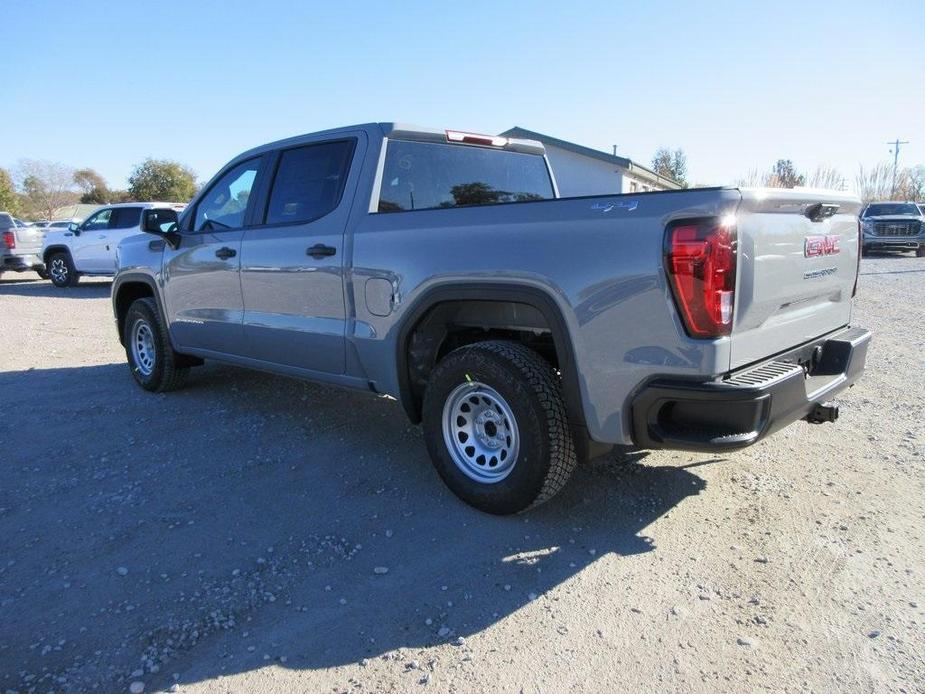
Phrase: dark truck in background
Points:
(894, 226)
(525, 331)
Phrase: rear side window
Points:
(126, 217)
(309, 182)
(425, 175)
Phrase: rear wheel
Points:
(154, 364)
(496, 427)
(62, 270)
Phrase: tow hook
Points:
(823, 412)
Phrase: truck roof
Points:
(403, 131)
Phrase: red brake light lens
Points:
(9, 239)
(700, 259)
(475, 139)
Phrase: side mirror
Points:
(74, 227)
(162, 221)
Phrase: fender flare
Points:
(492, 291)
(135, 278)
(56, 249)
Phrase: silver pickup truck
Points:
(525, 331)
(20, 246)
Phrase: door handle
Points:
(320, 251)
(101, 236)
(225, 253)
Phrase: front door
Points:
(292, 262)
(202, 279)
(88, 247)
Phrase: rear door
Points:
(202, 278)
(796, 276)
(293, 261)
(125, 222)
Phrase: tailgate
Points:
(795, 275)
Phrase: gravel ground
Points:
(253, 533)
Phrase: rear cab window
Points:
(126, 218)
(430, 175)
(309, 182)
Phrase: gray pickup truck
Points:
(20, 246)
(525, 331)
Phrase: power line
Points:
(896, 145)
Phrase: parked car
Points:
(894, 226)
(89, 247)
(526, 332)
(20, 246)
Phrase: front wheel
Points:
(62, 270)
(154, 364)
(496, 428)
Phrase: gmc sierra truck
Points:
(526, 332)
(897, 226)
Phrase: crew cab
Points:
(524, 331)
(89, 247)
(898, 226)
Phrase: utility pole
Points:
(896, 145)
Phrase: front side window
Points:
(98, 221)
(126, 217)
(223, 207)
(309, 181)
(425, 175)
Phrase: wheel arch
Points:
(128, 288)
(490, 292)
(58, 248)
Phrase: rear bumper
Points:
(750, 404)
(20, 263)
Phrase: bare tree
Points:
(46, 185)
(753, 179)
(913, 184)
(876, 183)
(827, 177)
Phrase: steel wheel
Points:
(143, 349)
(480, 432)
(58, 270)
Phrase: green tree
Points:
(93, 187)
(9, 200)
(671, 165)
(161, 179)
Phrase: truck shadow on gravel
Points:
(251, 520)
(43, 288)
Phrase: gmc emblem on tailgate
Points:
(814, 246)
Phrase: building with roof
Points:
(581, 170)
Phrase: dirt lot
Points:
(227, 537)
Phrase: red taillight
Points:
(9, 239)
(700, 258)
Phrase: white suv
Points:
(89, 248)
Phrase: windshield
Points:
(881, 209)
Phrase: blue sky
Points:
(736, 85)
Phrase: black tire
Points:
(920, 252)
(42, 272)
(62, 271)
(530, 387)
(165, 373)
